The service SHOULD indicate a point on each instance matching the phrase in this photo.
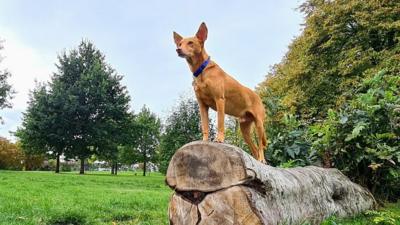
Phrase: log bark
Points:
(221, 184)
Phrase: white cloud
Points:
(26, 65)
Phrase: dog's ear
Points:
(202, 32)
(177, 38)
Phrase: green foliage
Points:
(82, 111)
(291, 146)
(389, 214)
(6, 91)
(339, 80)
(342, 42)
(95, 101)
(41, 131)
(362, 138)
(147, 130)
(11, 157)
(384, 218)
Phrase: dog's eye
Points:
(190, 43)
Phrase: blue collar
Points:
(201, 68)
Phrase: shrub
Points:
(11, 157)
(291, 146)
(362, 138)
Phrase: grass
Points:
(46, 198)
(95, 198)
(389, 214)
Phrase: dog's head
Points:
(191, 46)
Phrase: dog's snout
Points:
(180, 52)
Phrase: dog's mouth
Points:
(180, 53)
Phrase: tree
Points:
(342, 43)
(182, 126)
(143, 149)
(323, 101)
(6, 91)
(44, 125)
(97, 102)
(83, 109)
(11, 157)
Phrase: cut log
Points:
(222, 184)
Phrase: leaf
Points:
(356, 131)
(290, 151)
(375, 166)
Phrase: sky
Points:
(245, 38)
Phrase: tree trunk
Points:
(221, 184)
(58, 163)
(116, 168)
(112, 168)
(82, 170)
(144, 167)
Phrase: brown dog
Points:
(216, 89)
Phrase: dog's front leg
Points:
(204, 120)
(220, 103)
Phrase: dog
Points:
(217, 90)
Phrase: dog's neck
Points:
(196, 60)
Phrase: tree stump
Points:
(221, 184)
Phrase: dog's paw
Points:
(220, 139)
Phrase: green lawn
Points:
(95, 198)
(388, 215)
(40, 198)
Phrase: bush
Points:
(362, 138)
(11, 157)
(291, 146)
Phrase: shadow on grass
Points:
(67, 218)
(131, 174)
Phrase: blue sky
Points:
(245, 38)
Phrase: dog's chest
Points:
(203, 92)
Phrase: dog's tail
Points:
(264, 139)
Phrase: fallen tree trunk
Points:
(221, 184)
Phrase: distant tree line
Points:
(84, 111)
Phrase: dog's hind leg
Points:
(220, 105)
(262, 141)
(245, 127)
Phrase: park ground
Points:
(99, 198)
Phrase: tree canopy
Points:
(83, 108)
(342, 43)
(148, 131)
(6, 91)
